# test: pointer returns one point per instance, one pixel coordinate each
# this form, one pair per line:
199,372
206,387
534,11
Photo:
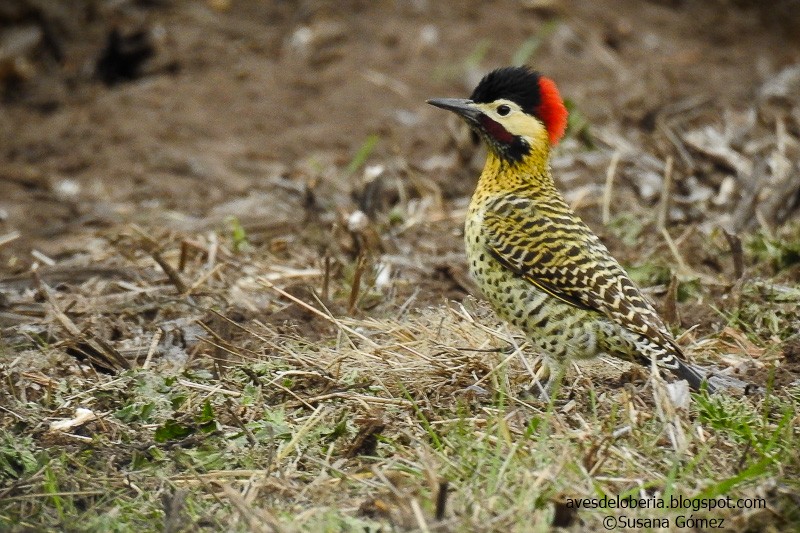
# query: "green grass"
362,154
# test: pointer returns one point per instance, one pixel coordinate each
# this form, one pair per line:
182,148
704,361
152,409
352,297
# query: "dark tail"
693,375
674,361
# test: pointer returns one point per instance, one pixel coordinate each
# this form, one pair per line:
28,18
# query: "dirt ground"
241,96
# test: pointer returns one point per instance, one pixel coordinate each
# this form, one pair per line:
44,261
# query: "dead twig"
441,500
663,208
172,274
670,313
154,249
257,518
737,253
112,359
153,346
674,249
246,430
356,287
326,280
9,238
610,173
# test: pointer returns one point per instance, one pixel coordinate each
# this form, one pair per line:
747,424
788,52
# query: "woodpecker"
536,261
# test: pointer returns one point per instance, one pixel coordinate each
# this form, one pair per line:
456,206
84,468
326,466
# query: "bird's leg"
548,379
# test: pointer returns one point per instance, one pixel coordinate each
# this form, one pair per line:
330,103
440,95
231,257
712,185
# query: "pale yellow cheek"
526,126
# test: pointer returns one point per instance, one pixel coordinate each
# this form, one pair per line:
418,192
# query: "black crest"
518,84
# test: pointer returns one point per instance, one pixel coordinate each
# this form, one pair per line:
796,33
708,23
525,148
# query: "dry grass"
203,415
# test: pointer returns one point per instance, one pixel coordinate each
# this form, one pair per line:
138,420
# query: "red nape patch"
496,130
552,110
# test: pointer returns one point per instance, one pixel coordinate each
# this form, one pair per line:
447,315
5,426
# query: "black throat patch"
517,150
512,148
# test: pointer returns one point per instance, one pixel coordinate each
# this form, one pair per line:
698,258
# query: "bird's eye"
503,110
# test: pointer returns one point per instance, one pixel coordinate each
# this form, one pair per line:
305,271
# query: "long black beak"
460,106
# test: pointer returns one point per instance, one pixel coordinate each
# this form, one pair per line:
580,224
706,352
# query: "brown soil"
233,99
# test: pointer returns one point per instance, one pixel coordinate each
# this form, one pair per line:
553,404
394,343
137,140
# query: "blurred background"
180,115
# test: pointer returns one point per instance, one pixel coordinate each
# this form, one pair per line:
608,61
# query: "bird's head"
515,110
